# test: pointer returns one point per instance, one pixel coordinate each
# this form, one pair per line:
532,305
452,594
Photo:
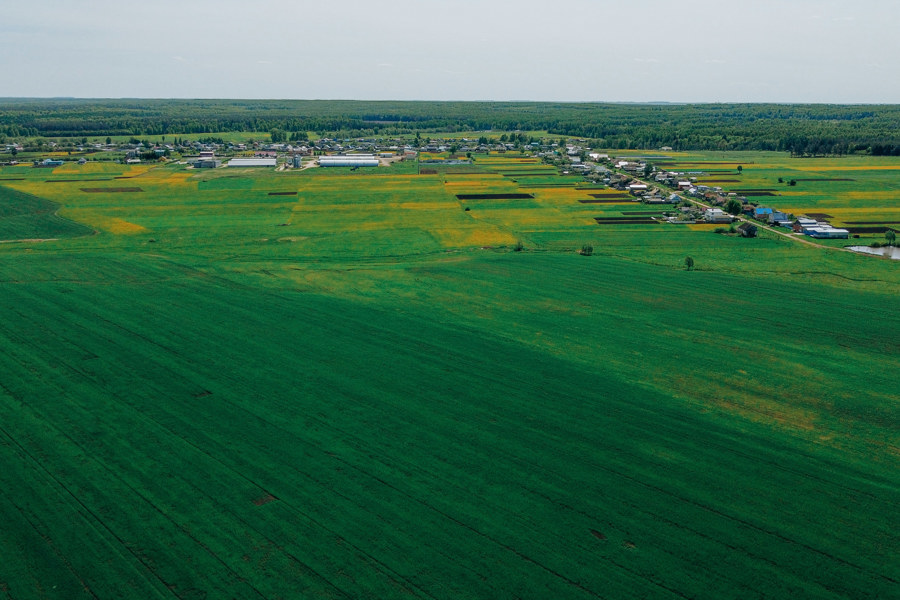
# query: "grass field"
356,388
23,216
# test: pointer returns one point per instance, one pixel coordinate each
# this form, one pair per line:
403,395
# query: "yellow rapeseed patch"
121,227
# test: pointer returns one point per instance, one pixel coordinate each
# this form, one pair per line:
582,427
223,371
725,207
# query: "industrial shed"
252,162
349,160
830,233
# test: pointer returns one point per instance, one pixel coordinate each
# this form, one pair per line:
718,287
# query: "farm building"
762,213
252,162
349,160
802,223
49,162
827,232
206,163
716,215
747,229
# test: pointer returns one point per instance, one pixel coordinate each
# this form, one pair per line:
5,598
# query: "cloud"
647,60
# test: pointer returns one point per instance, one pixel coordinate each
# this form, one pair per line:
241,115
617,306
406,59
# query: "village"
721,207
691,202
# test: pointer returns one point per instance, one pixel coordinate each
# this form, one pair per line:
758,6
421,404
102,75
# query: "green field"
346,385
23,216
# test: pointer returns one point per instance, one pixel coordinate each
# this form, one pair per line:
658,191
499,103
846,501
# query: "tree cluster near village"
802,130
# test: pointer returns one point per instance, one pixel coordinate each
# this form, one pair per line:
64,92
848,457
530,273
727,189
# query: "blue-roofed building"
762,213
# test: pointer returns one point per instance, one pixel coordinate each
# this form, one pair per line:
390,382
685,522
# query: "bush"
587,250
721,230
518,247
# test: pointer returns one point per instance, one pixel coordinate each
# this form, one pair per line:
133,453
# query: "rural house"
747,229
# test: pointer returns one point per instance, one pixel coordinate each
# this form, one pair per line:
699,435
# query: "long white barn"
349,160
252,162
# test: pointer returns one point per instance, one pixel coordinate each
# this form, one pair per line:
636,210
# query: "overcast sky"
836,51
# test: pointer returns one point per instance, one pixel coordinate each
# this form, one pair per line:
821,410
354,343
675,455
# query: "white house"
716,215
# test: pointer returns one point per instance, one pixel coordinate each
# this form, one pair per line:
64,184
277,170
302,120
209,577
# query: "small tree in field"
740,170
587,250
890,236
688,263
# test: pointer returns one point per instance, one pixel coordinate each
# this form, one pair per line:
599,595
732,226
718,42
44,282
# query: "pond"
889,251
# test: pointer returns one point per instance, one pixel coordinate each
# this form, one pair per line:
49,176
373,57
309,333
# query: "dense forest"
800,129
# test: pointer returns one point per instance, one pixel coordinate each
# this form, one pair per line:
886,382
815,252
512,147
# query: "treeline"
800,129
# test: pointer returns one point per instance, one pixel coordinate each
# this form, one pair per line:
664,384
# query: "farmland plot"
352,389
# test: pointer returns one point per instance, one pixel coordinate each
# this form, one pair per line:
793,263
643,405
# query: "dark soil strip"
111,190
752,194
819,216
825,179
623,220
494,196
427,171
263,500
628,222
871,229
610,196
124,177
282,193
